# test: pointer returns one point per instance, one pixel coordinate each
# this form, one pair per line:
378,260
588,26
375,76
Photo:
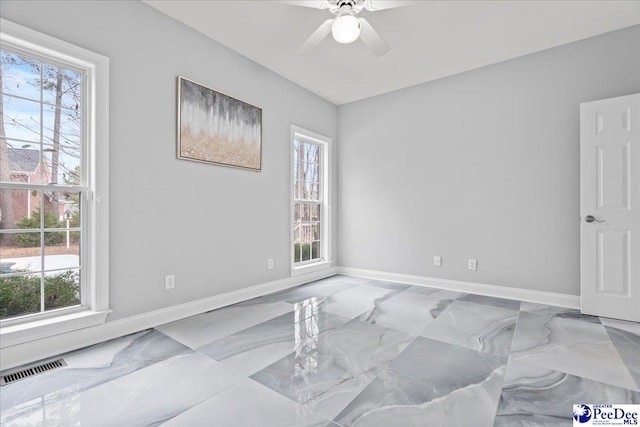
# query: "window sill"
31,331
310,268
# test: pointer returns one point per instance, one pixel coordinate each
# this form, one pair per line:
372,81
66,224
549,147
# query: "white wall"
480,165
213,227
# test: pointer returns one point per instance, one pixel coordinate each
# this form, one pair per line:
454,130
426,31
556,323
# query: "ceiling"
429,39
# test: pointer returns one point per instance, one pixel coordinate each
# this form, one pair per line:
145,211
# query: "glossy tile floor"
344,352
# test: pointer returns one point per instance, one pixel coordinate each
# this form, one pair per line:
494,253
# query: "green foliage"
306,248
62,290
306,251
74,221
33,239
21,294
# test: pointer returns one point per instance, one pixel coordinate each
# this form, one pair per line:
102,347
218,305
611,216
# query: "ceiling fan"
347,27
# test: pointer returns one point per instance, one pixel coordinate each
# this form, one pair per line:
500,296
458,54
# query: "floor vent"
30,372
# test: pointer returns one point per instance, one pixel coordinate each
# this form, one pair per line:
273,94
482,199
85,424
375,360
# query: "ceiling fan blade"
372,39
318,35
373,5
315,4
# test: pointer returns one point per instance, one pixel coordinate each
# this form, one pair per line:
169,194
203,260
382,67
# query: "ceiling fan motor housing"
341,6
349,3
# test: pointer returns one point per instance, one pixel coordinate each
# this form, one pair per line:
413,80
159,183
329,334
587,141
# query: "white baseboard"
549,298
32,351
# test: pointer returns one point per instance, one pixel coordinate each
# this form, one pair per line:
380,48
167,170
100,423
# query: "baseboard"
32,351
549,298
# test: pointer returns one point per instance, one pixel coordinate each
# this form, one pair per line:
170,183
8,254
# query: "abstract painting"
216,128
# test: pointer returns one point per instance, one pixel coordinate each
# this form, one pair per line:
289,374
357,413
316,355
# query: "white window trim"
325,187
96,155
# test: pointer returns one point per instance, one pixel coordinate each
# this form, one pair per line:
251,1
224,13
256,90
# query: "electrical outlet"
473,264
169,282
437,260
270,263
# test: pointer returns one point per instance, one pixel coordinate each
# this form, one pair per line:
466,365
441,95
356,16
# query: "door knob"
591,218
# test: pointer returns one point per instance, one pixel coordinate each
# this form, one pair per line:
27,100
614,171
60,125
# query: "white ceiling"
428,39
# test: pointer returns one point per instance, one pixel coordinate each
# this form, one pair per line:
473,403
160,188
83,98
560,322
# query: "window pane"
315,229
299,228
21,118
19,295
315,250
306,252
29,216
60,206
24,251
310,185
61,289
20,252
306,212
61,253
296,252
24,161
315,152
20,76
68,144
315,191
315,212
13,207
297,212
312,171
310,153
62,85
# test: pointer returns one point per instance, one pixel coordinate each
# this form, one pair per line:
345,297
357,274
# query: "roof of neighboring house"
23,160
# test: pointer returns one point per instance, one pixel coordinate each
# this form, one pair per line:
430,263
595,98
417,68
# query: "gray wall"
480,165
213,227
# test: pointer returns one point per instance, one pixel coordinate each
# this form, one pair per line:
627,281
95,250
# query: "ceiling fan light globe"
345,29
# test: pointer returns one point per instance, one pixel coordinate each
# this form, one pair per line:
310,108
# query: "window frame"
95,169
324,142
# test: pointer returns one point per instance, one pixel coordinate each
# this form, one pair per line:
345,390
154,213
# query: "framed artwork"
216,128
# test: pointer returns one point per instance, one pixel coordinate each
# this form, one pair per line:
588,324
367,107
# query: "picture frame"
216,128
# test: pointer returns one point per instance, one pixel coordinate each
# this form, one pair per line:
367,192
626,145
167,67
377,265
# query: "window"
310,216
53,179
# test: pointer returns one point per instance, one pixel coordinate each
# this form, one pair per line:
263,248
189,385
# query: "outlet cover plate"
169,282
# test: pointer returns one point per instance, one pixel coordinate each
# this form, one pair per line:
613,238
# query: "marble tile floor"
341,352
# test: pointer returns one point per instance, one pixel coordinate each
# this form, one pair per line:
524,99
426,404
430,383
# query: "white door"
610,207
